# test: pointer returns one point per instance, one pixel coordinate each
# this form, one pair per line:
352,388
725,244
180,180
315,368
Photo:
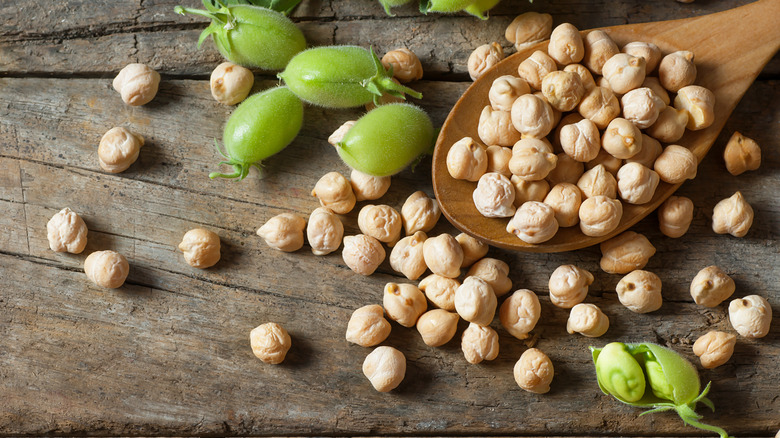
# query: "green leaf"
283,6
425,6
213,27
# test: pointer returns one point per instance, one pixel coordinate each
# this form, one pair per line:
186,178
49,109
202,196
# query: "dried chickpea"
600,215
283,232
677,70
419,213
676,164
200,248
270,342
714,348
498,160
494,196
640,291
585,75
495,272
107,269
529,28
599,48
381,222
675,216
565,200
654,84
534,68
699,102
335,193
406,65
566,46
598,182
641,106
622,139
599,105
368,187
340,132
529,190
532,116
473,249
750,316
557,115
587,320
732,215
118,149
475,301
604,158
741,154
563,90
231,83
363,254
66,232
404,303
367,326
440,290
484,57
479,343
137,83
385,368
651,149
670,125
568,119
636,183
505,90
649,51
443,255
624,72
520,312
625,252
531,160
407,256
712,286
437,327
324,231
567,170
496,128
534,371
581,140
569,285
534,222
467,160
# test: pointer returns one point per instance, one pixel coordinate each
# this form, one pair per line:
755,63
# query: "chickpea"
598,182
479,343
622,139
581,140
494,196
599,48
405,64
651,149
437,327
566,46
496,128
654,84
640,291
443,255
440,290
530,160
473,249
118,149
649,51
498,160
750,316
534,222
741,154
557,115
407,256
636,183
363,254
569,285
699,102
529,28
231,83
475,301
324,231
670,125
484,57
404,303
340,132
335,193
529,190
641,106
385,368
534,68
625,252
677,70
495,272
568,119
587,320
563,90
270,342
200,248
505,90
531,116
368,187
107,269
676,164
565,200
732,215
467,160
419,213
712,286
567,170
585,75
283,232
600,106
67,232
520,312
600,215
715,348
675,216
381,222
534,371
604,158
367,326
624,72
137,83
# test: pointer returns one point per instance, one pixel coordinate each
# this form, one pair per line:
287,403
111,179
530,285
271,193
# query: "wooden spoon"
730,48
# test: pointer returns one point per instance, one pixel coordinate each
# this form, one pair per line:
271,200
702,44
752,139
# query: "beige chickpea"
625,252
586,77
440,290
675,216
107,269
640,291
498,160
496,128
118,149
495,272
532,116
484,57
534,222
137,84
732,215
231,83
381,222
419,213
367,326
651,149
636,183
529,28
649,51
534,68
529,190
437,327
534,371
335,192
604,158
406,65
475,301
624,72
677,70
699,102
714,348
741,154
404,303
494,196
568,119
200,248
565,200
385,368
368,187
599,48
557,115
622,139
600,215
467,160
676,164
340,132
479,343
283,232
531,160
473,249
566,170
599,105
670,125
443,255
566,46
598,182
520,312
712,286
407,256
750,316
270,342
563,90
363,254
569,285
641,106
324,231
654,84
587,320
67,232
505,90
581,140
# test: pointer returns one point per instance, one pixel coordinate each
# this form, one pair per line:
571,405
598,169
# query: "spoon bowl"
730,48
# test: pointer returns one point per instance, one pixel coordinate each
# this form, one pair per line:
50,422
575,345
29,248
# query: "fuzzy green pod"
444,5
479,7
387,4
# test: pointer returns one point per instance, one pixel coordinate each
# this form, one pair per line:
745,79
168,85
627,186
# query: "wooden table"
168,353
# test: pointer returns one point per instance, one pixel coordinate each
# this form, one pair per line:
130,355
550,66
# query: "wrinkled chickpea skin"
733,216
404,303
587,320
200,248
654,84
741,154
407,256
581,140
565,200
677,70
751,316
107,269
598,182
625,252
520,312
368,187
532,117
496,128
651,149
624,72
479,343
534,68
640,291
467,160
406,65
118,149
484,57
636,183
563,90
610,163
569,285
649,51
437,327
529,190
534,222
711,286
335,193
283,232
363,254
324,231
385,368
599,105
676,164
498,160
443,255
599,48
475,301
340,132
641,107
675,216
231,83
566,46
367,326
440,290
534,371
419,213
714,348
529,28
699,102
586,77
670,125
567,170
622,139
137,84
381,222
494,196
270,342
473,249
495,272
505,90
531,160
67,232
600,215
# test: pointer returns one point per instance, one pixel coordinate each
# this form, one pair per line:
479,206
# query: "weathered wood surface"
168,353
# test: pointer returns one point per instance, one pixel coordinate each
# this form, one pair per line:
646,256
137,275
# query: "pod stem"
688,414
383,82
